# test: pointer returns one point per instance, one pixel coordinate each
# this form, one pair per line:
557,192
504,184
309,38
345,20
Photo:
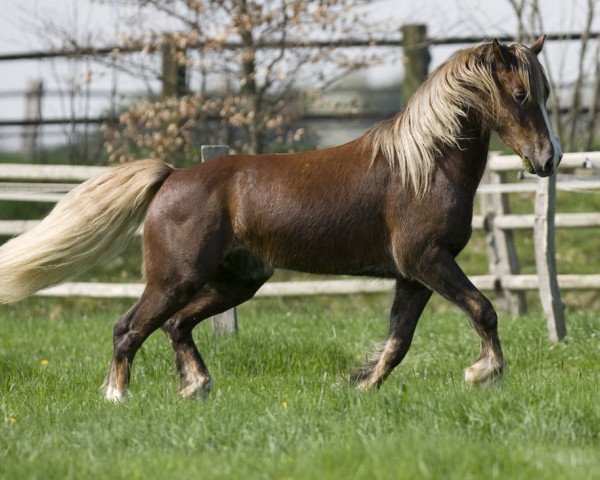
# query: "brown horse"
395,203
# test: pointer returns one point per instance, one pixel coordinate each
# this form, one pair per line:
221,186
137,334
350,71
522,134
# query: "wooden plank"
526,221
36,187
478,222
562,220
565,282
33,113
415,58
273,289
545,259
16,227
502,253
78,173
325,287
70,173
505,163
226,321
531,187
270,289
94,290
31,197
322,287
210,152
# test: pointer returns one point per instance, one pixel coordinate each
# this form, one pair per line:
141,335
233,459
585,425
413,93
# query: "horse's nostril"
549,165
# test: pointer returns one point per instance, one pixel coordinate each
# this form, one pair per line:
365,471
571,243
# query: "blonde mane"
413,139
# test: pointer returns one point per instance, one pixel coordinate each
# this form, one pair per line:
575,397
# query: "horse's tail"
88,226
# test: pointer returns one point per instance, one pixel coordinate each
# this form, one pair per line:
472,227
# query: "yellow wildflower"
44,362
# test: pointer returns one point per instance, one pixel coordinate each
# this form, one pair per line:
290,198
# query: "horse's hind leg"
152,309
230,286
409,302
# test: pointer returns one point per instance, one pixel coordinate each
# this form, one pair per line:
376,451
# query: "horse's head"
521,119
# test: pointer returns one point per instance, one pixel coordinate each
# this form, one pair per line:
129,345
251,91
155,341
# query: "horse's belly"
337,254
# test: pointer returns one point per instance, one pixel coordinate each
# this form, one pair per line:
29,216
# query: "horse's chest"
445,221
453,224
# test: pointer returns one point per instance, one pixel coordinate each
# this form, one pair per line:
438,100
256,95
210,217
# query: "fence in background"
48,183
413,39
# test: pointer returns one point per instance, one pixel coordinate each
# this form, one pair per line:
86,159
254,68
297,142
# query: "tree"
254,49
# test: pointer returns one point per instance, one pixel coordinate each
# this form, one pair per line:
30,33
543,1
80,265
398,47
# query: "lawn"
277,409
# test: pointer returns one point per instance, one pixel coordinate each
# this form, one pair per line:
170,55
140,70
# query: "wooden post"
415,58
545,259
174,72
226,321
502,254
33,111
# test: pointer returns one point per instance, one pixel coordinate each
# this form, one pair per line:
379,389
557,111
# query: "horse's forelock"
531,74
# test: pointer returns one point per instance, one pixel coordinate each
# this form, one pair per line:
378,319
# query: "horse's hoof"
483,373
363,386
197,390
115,396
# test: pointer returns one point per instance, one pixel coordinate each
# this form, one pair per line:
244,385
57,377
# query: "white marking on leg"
114,395
555,145
382,367
484,370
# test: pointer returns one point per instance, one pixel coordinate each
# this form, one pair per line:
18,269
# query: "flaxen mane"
432,119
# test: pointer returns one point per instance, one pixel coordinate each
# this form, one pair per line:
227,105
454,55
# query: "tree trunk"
251,99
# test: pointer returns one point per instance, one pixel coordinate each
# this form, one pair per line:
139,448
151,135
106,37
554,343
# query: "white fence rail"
320,287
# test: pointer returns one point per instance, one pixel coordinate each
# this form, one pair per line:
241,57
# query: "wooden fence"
48,183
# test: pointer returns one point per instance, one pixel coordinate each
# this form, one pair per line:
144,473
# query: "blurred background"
104,81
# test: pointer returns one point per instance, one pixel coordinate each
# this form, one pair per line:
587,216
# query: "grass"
274,412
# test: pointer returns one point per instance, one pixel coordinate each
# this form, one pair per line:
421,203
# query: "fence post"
33,111
174,72
415,58
545,259
502,254
226,321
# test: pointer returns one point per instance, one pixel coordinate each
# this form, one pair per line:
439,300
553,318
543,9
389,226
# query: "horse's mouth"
527,165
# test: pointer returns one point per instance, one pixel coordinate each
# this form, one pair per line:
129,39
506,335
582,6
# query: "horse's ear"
501,52
538,45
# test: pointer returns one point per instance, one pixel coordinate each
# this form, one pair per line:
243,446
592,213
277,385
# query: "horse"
395,203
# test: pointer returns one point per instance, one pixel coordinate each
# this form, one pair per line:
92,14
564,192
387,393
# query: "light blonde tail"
88,226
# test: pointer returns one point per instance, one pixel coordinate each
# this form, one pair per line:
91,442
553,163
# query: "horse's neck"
465,163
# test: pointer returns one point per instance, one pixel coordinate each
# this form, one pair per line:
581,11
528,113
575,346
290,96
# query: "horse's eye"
520,97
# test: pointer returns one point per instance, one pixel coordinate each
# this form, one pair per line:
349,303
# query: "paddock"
278,408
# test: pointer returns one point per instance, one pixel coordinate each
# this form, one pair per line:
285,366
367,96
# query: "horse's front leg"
441,273
409,302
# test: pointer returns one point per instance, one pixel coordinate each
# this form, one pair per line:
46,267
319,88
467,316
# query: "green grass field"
275,411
